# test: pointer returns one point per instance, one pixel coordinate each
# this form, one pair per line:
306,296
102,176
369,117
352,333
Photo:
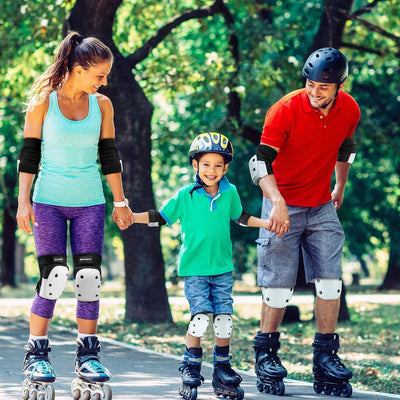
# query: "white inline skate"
91,374
38,371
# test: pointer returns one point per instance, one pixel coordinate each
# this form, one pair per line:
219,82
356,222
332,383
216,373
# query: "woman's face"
94,77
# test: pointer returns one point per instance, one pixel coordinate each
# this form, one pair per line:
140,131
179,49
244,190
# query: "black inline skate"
38,371
190,369
225,380
330,374
91,374
269,370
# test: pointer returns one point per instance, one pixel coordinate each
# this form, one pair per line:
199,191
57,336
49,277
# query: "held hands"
123,217
279,221
25,215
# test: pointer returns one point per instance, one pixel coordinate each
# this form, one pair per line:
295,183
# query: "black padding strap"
347,150
29,156
86,260
243,219
47,262
109,157
267,154
156,219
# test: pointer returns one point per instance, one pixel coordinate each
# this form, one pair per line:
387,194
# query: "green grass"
370,342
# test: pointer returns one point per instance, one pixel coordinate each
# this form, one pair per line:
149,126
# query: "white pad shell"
198,325
88,284
52,287
258,169
277,297
328,289
223,326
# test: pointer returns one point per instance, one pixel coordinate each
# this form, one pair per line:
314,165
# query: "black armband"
29,156
109,157
156,219
347,151
243,219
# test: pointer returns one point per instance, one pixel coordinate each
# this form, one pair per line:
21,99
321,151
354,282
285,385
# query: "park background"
182,68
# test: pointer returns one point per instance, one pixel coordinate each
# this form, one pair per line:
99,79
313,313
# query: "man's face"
321,95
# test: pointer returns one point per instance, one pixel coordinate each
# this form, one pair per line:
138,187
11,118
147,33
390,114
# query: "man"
307,135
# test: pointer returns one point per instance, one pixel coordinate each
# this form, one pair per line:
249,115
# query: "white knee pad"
328,289
223,326
52,286
53,276
198,325
277,297
88,284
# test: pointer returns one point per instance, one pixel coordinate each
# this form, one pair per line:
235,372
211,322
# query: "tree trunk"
332,24
146,296
392,277
7,265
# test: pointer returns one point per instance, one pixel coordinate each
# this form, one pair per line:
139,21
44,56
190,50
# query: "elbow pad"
156,219
260,164
109,157
29,156
243,219
347,151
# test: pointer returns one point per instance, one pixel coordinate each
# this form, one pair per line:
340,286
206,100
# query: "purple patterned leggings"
86,235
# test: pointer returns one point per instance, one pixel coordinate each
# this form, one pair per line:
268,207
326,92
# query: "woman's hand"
25,215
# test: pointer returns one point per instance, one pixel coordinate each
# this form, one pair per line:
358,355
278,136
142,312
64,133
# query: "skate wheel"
347,390
259,386
240,393
107,392
280,388
25,394
266,388
318,387
85,395
327,389
337,391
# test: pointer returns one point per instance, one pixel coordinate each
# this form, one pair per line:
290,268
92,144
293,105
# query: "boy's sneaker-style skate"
225,380
190,369
330,374
91,374
269,369
38,371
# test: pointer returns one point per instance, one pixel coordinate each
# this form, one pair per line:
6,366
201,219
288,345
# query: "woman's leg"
87,236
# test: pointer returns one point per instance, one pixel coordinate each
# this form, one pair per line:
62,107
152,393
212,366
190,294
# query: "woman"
67,125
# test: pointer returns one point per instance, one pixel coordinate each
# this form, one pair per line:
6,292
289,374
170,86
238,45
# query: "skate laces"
93,366
42,367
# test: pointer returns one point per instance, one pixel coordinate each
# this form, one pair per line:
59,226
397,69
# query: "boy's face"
211,168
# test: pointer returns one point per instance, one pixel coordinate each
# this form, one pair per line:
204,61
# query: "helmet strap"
198,185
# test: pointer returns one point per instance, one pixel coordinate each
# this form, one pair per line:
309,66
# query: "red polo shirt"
308,143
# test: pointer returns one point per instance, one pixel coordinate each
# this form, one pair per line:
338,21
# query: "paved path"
139,374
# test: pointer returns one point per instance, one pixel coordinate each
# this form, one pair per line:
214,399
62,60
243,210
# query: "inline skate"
225,380
38,371
91,374
190,369
330,374
269,370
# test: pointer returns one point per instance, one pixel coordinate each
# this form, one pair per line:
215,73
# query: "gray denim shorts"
316,231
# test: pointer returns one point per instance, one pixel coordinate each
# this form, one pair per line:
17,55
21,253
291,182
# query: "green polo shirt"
205,228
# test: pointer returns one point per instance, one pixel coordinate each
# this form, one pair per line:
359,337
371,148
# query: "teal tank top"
69,174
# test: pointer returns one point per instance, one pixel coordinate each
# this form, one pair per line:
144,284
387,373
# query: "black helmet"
211,142
326,65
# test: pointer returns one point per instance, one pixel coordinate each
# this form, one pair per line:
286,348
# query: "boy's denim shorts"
210,294
316,231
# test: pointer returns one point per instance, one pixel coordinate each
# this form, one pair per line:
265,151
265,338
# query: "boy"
204,211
